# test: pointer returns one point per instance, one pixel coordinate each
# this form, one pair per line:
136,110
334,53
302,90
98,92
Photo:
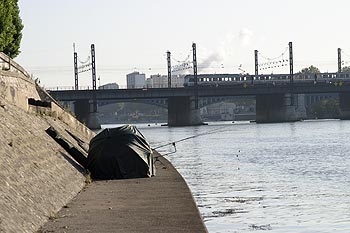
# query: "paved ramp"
162,203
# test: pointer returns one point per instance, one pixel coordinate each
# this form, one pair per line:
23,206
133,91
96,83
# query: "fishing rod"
187,138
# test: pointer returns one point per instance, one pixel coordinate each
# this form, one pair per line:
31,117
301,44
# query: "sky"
134,35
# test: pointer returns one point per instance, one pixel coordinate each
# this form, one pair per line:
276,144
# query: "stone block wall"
17,88
37,176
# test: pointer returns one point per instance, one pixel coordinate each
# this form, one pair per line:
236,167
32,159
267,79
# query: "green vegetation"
327,108
10,28
131,112
310,70
346,69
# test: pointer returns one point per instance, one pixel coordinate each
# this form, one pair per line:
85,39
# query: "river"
288,177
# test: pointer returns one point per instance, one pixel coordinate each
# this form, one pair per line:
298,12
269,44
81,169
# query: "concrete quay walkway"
162,203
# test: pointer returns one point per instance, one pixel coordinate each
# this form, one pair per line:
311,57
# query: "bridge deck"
204,91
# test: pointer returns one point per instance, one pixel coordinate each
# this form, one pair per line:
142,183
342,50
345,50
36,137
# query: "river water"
247,177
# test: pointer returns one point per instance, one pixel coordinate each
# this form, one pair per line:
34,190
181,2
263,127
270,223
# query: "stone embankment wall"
37,176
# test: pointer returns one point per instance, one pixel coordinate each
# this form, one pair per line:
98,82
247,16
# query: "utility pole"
169,68
195,75
339,60
291,72
93,69
256,66
76,85
256,62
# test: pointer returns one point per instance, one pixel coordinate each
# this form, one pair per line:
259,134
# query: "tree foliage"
310,70
327,108
346,69
10,28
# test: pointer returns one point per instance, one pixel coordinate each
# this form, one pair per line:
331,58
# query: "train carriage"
216,80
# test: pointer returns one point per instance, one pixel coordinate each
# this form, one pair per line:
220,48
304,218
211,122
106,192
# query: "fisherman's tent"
120,153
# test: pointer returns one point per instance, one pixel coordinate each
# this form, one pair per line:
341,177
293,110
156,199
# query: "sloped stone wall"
37,176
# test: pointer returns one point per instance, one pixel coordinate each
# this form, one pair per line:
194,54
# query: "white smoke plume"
226,52
212,60
245,37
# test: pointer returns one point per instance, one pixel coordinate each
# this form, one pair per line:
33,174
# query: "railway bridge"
275,101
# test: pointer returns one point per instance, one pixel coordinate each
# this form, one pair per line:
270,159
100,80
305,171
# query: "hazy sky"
134,35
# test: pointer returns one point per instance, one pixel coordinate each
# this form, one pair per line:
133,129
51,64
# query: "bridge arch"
132,111
162,103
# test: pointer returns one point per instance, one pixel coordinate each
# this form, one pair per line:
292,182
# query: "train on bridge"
273,79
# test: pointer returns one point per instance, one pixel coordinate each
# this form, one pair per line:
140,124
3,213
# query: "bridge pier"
273,108
181,112
344,105
300,108
83,112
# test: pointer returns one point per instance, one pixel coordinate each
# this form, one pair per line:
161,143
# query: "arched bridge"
163,103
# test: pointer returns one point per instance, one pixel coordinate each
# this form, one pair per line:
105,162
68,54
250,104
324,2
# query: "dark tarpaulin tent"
120,153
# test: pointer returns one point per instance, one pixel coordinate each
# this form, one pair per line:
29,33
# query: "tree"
10,28
327,108
346,69
310,70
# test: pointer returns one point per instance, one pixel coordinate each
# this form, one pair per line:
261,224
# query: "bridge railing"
238,79
69,88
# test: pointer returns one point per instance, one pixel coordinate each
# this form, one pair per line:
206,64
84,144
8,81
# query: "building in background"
135,80
161,81
109,86
157,81
177,80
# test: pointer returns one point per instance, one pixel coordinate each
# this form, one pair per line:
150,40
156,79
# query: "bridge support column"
275,108
344,105
182,112
300,108
84,113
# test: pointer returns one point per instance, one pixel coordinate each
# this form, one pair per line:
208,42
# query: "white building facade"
135,80
161,81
